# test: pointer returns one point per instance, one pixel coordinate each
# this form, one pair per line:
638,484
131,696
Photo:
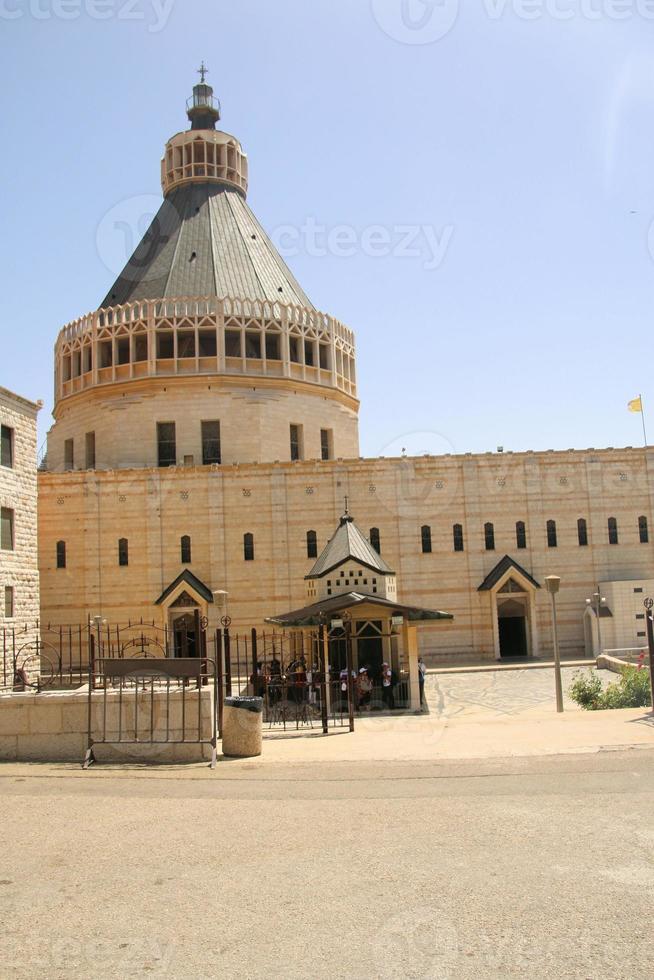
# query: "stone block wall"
279,503
18,493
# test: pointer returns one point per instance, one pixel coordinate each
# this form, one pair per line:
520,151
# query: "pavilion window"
89,446
122,350
253,345
324,357
457,535
69,454
9,602
208,343
7,530
521,535
166,444
123,552
552,535
61,554
87,359
233,343
489,537
165,346
186,550
309,353
77,364
248,547
106,353
582,532
211,451
312,544
7,437
186,344
643,530
140,348
67,367
375,539
426,540
613,531
273,347
294,349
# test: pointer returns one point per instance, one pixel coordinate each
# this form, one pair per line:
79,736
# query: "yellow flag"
636,405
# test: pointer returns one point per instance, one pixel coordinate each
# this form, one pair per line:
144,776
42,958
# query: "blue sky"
517,147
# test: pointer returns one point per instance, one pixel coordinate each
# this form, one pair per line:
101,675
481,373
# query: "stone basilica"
206,437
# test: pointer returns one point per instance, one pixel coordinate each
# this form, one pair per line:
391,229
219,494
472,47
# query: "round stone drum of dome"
242,727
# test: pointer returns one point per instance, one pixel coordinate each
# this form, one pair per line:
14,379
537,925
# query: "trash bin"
242,727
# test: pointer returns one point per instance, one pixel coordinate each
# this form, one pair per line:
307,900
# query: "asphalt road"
505,868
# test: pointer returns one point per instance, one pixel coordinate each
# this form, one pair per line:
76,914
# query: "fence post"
219,679
228,663
322,644
350,668
255,661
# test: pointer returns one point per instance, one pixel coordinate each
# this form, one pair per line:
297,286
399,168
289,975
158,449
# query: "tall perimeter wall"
279,503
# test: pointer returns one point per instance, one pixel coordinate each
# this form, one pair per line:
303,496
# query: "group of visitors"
363,686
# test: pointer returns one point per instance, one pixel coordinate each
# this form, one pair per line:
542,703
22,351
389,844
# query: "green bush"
633,690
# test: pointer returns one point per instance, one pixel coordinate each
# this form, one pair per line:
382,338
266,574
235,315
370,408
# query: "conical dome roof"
206,241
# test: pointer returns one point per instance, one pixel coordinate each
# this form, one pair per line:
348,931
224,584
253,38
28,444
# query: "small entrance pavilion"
354,598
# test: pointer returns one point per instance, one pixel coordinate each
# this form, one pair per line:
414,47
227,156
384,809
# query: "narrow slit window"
521,535
69,454
582,532
166,444
186,550
248,547
613,531
61,554
326,444
90,450
643,530
489,537
426,540
457,535
123,552
9,602
211,449
312,544
552,535
296,443
375,539
7,529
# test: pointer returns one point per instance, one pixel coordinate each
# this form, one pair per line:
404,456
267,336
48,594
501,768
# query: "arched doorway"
512,621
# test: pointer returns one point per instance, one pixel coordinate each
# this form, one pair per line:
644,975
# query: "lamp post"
596,603
553,583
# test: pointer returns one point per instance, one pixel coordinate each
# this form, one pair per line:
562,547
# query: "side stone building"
19,576
206,437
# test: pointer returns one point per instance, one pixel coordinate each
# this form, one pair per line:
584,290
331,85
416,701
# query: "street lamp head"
553,583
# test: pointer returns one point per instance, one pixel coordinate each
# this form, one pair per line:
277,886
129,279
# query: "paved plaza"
536,868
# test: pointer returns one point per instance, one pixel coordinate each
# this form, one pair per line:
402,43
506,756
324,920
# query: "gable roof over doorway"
507,564
348,544
194,583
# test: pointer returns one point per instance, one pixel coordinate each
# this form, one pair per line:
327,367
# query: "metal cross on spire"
347,506
203,71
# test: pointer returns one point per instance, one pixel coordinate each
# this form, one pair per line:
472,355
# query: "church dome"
205,322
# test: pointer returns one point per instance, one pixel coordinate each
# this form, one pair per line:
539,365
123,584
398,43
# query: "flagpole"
642,412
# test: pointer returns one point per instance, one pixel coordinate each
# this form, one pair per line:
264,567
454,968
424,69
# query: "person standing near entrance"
422,673
388,696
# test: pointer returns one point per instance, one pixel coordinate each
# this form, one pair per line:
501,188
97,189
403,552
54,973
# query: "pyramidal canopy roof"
206,241
349,543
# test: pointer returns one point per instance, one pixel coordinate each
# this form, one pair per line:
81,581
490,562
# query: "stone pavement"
536,868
